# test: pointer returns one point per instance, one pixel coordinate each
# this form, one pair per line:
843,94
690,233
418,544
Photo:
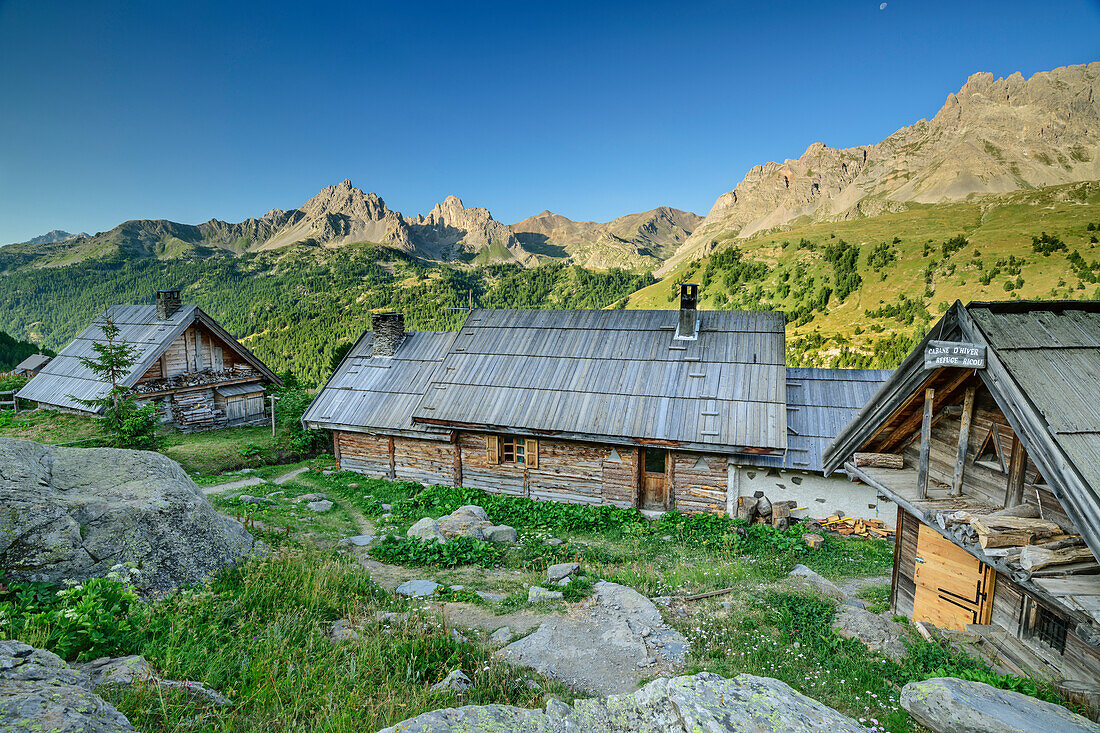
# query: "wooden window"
989,454
1045,626
512,450
654,460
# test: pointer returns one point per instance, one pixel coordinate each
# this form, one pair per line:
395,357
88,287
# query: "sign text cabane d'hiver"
938,354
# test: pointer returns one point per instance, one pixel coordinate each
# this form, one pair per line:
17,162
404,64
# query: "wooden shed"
999,485
199,376
647,409
32,365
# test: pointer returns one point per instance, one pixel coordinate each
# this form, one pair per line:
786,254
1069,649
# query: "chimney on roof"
168,302
389,332
689,317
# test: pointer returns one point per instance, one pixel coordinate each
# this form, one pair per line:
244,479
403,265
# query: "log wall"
477,472
427,462
620,476
365,454
194,350
699,482
905,586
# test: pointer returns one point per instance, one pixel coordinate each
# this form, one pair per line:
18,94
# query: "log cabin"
31,366
199,376
998,490
656,410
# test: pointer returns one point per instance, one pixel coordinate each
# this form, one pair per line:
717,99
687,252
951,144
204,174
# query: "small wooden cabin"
999,485
200,377
651,409
32,365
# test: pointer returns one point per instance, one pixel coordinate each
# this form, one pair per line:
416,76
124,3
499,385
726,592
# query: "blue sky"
192,110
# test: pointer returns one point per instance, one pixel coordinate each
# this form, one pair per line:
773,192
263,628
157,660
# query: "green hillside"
13,351
861,292
294,306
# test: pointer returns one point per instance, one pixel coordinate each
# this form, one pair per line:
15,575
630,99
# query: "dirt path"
852,586
254,481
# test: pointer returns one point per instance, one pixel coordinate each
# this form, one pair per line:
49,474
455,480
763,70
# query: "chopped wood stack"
856,526
761,510
993,531
194,379
193,411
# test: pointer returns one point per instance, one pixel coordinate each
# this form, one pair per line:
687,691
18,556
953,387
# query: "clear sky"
191,110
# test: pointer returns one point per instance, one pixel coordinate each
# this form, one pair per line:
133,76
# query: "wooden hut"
200,377
32,365
988,439
650,409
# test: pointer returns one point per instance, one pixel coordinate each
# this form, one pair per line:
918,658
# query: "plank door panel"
953,588
653,491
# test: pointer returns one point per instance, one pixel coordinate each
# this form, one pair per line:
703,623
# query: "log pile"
193,411
855,526
195,379
761,510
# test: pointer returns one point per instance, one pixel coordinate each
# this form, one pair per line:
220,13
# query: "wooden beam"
964,440
925,443
457,468
1014,496
904,430
393,463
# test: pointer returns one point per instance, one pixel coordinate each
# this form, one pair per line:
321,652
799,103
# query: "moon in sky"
882,7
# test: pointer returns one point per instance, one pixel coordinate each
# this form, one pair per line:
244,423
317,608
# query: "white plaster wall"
819,495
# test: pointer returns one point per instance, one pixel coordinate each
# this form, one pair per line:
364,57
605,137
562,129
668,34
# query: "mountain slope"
54,235
993,136
631,241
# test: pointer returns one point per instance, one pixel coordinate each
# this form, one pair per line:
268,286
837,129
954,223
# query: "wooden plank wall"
905,586
426,462
620,477
180,357
698,488
979,481
365,454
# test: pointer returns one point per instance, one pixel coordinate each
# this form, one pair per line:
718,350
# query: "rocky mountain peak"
992,136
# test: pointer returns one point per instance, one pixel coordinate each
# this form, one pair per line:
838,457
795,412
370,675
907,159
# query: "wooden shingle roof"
618,377
378,394
64,381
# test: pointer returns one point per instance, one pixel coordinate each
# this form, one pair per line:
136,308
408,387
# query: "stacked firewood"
857,526
760,510
195,379
192,410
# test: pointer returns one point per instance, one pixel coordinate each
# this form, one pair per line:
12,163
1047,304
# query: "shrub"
454,552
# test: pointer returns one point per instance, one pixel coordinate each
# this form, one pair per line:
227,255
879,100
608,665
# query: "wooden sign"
954,354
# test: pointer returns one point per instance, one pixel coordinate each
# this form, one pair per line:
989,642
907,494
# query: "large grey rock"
39,692
538,594
561,570
605,647
501,533
361,540
134,670
472,509
456,681
463,522
426,529
321,506
73,513
878,633
417,588
701,702
804,578
949,705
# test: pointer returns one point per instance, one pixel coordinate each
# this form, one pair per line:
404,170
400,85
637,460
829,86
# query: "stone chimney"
168,302
389,332
689,317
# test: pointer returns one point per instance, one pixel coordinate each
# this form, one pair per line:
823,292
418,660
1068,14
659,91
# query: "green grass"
49,426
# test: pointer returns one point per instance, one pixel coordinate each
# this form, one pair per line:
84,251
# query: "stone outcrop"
701,702
450,229
604,647
39,692
73,513
949,705
879,633
466,521
992,136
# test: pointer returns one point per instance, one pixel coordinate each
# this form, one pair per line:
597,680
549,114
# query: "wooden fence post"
925,444
964,440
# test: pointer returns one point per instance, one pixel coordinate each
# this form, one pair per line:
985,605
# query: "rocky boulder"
701,702
880,634
73,513
39,692
949,705
426,529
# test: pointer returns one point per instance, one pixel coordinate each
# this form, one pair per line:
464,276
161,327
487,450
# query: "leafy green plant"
417,552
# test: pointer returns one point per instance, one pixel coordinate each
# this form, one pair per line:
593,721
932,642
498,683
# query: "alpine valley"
997,195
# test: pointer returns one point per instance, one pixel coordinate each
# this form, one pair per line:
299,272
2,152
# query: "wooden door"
255,405
953,588
234,408
654,491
